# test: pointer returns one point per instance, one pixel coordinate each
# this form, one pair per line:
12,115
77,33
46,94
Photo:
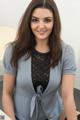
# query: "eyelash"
46,20
34,20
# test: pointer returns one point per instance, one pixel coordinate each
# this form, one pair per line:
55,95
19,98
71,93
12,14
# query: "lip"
41,33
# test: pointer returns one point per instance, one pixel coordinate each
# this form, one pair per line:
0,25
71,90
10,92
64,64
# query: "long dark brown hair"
25,41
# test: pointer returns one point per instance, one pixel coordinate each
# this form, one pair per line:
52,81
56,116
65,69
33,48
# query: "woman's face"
42,23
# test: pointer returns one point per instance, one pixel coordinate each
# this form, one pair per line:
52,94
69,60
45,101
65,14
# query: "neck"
42,45
42,48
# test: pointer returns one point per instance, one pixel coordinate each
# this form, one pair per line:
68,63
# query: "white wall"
12,10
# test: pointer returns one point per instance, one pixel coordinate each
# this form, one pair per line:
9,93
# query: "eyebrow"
44,18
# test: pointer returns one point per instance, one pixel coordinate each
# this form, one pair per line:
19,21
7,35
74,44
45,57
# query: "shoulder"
8,53
66,48
9,47
65,45
68,59
8,68
8,50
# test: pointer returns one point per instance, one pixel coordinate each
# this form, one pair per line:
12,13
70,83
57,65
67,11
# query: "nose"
41,24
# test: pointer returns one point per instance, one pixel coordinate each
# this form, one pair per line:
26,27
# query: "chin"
42,38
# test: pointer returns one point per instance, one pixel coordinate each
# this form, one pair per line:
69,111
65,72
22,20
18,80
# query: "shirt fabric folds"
25,99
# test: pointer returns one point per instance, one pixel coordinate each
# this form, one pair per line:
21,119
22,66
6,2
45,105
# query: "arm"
68,97
7,100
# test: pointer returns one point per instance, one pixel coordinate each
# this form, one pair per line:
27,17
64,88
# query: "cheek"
50,27
33,27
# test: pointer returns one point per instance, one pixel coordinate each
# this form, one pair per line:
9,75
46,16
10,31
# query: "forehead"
42,13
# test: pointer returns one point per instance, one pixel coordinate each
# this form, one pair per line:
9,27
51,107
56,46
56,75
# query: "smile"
42,32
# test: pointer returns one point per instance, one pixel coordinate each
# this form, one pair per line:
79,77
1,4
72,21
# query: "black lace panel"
40,69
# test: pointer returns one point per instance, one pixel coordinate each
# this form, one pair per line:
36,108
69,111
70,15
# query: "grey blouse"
25,99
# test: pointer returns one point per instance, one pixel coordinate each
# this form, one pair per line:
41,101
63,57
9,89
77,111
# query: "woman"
37,64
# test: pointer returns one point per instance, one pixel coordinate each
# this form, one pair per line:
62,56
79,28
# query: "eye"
47,20
34,20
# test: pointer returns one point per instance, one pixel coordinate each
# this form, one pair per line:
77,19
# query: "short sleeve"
69,63
8,69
